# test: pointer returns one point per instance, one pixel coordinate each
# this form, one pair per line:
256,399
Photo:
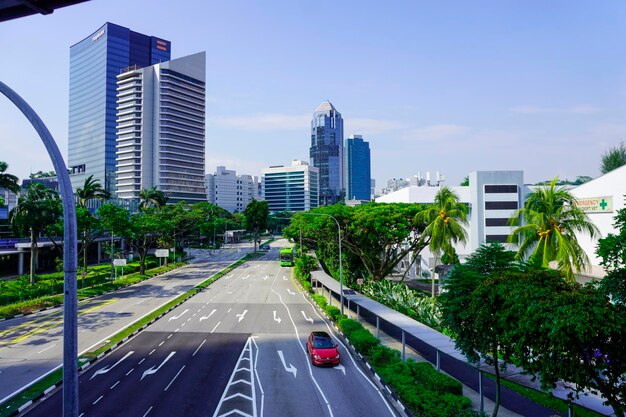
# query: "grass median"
11,406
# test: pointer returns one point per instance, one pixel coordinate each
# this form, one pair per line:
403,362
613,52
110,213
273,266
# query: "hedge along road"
236,348
31,346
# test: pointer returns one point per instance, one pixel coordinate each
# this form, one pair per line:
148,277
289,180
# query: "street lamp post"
340,259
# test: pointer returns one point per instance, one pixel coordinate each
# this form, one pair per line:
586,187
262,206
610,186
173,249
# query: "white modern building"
230,191
600,198
161,129
292,188
492,197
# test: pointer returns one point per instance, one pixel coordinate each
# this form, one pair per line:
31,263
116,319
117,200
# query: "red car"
322,348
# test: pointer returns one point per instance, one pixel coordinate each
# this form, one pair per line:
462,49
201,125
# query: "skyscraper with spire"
326,152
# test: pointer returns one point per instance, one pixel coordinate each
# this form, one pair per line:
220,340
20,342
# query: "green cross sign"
603,204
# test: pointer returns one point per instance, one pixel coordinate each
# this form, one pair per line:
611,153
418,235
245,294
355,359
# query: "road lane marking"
161,343
246,355
49,347
290,292
140,362
229,310
169,336
154,370
341,368
256,374
114,385
151,352
108,368
194,354
130,372
218,323
175,376
99,398
149,409
241,316
309,319
179,316
210,314
276,318
291,368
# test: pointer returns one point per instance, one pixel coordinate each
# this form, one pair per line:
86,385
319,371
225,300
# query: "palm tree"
37,209
91,190
7,181
151,197
550,220
445,219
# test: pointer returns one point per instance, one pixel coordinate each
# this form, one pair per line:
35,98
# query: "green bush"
381,355
333,312
425,374
363,341
348,326
320,300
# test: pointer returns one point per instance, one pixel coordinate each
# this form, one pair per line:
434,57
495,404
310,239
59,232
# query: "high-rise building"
160,129
294,188
326,152
230,191
95,63
358,169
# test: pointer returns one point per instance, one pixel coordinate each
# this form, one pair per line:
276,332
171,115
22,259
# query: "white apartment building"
293,188
230,191
161,129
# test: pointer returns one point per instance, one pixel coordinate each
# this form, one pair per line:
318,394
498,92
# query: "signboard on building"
162,253
596,204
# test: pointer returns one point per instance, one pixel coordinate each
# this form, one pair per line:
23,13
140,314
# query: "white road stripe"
218,323
194,354
149,409
175,376
114,385
49,347
95,402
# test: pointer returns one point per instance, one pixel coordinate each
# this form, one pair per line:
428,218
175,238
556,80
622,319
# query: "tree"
465,181
38,208
8,181
144,229
87,223
379,235
550,220
612,250
445,218
115,220
152,197
473,323
42,174
614,158
256,215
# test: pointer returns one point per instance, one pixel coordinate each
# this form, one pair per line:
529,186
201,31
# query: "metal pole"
70,304
358,312
340,267
480,391
377,327
403,346
438,363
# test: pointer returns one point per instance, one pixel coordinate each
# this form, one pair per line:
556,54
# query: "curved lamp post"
340,260
70,304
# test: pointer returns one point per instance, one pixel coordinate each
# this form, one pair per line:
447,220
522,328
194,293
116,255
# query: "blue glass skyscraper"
358,168
95,63
326,152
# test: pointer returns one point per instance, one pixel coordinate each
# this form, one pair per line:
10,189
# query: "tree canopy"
256,215
613,158
612,250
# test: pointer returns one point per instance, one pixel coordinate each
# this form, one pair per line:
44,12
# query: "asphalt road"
237,348
31,346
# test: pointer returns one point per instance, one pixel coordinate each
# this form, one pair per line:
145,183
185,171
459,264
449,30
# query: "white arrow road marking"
291,368
265,278
241,316
108,368
276,319
284,278
210,314
179,316
305,317
153,370
290,292
341,368
246,277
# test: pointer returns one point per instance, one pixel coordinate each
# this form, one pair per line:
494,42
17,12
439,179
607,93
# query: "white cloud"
435,132
581,109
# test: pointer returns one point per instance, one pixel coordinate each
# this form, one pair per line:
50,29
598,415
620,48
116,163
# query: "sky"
448,86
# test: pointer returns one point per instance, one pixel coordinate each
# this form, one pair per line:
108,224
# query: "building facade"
327,152
161,129
293,188
95,63
230,191
358,169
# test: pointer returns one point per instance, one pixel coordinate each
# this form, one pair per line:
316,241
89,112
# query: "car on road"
322,349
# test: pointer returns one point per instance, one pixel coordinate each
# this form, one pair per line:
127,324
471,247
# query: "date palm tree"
445,219
547,227
37,209
7,181
152,197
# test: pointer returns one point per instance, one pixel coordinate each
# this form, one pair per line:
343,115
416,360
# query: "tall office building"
358,169
230,191
95,63
160,129
326,152
293,188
